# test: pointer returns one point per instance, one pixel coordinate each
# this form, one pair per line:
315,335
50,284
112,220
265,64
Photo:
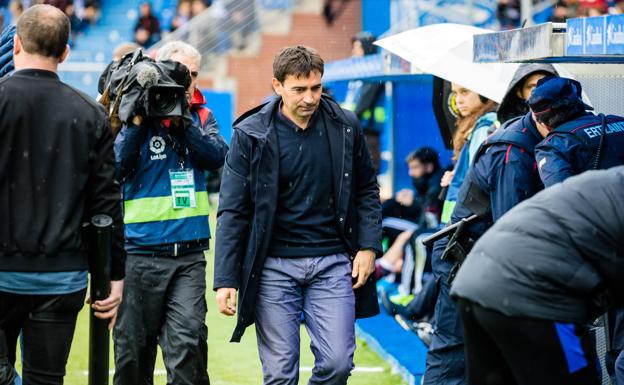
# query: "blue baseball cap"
553,92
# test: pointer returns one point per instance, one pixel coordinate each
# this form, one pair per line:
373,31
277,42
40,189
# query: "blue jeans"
320,288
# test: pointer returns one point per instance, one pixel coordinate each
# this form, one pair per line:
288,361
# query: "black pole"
99,266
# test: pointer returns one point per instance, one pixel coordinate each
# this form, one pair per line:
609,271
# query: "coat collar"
257,122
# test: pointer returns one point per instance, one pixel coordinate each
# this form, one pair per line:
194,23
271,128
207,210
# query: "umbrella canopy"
445,50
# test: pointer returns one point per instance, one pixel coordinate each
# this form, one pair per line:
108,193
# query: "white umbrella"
445,50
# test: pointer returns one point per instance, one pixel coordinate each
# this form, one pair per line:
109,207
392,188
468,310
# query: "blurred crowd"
82,13
509,15
148,29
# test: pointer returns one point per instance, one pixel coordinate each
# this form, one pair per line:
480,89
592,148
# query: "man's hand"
226,301
405,197
107,308
137,120
363,267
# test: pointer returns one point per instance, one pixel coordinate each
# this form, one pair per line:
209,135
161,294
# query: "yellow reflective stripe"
366,114
380,114
155,209
447,210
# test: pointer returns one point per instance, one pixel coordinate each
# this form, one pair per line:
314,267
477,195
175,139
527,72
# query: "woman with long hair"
476,119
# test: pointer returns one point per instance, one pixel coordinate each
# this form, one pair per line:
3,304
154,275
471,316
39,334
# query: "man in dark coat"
367,99
299,225
577,141
551,265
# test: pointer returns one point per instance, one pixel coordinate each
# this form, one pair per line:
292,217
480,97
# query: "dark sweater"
305,224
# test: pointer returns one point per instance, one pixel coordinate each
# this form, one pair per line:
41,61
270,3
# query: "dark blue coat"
505,166
504,170
249,193
571,148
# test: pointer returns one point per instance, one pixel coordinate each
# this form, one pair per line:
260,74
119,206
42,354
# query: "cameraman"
166,238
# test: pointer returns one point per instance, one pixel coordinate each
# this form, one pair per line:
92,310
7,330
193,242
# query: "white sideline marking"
361,369
157,372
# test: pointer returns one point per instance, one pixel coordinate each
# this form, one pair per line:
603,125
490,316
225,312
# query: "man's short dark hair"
424,155
563,113
298,61
43,30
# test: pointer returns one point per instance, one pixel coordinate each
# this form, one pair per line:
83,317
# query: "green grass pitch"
229,363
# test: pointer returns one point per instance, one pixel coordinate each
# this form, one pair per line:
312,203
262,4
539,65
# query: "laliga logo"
157,146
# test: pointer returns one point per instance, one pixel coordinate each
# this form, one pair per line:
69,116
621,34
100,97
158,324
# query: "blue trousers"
320,288
619,369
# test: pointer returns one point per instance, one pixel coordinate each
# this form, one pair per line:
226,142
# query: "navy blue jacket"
571,148
505,166
144,156
504,169
249,193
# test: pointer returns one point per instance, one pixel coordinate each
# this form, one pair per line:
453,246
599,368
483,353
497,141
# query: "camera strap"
180,149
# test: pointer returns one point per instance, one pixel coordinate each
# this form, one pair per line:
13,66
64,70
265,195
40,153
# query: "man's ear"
277,86
65,54
17,45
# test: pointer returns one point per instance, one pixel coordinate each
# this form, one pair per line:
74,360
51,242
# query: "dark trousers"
445,358
525,351
164,304
47,324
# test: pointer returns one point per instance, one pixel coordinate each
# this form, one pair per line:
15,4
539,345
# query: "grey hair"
178,47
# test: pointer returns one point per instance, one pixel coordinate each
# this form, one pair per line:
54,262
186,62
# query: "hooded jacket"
248,202
513,106
558,256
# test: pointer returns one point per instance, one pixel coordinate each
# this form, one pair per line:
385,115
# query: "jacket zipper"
344,141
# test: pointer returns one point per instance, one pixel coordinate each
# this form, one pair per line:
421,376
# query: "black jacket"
248,202
557,256
56,170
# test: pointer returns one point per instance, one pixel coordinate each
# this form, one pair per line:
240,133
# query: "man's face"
300,96
193,67
542,128
416,169
145,9
529,85
357,50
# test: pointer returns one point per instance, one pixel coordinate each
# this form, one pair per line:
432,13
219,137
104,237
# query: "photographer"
161,162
